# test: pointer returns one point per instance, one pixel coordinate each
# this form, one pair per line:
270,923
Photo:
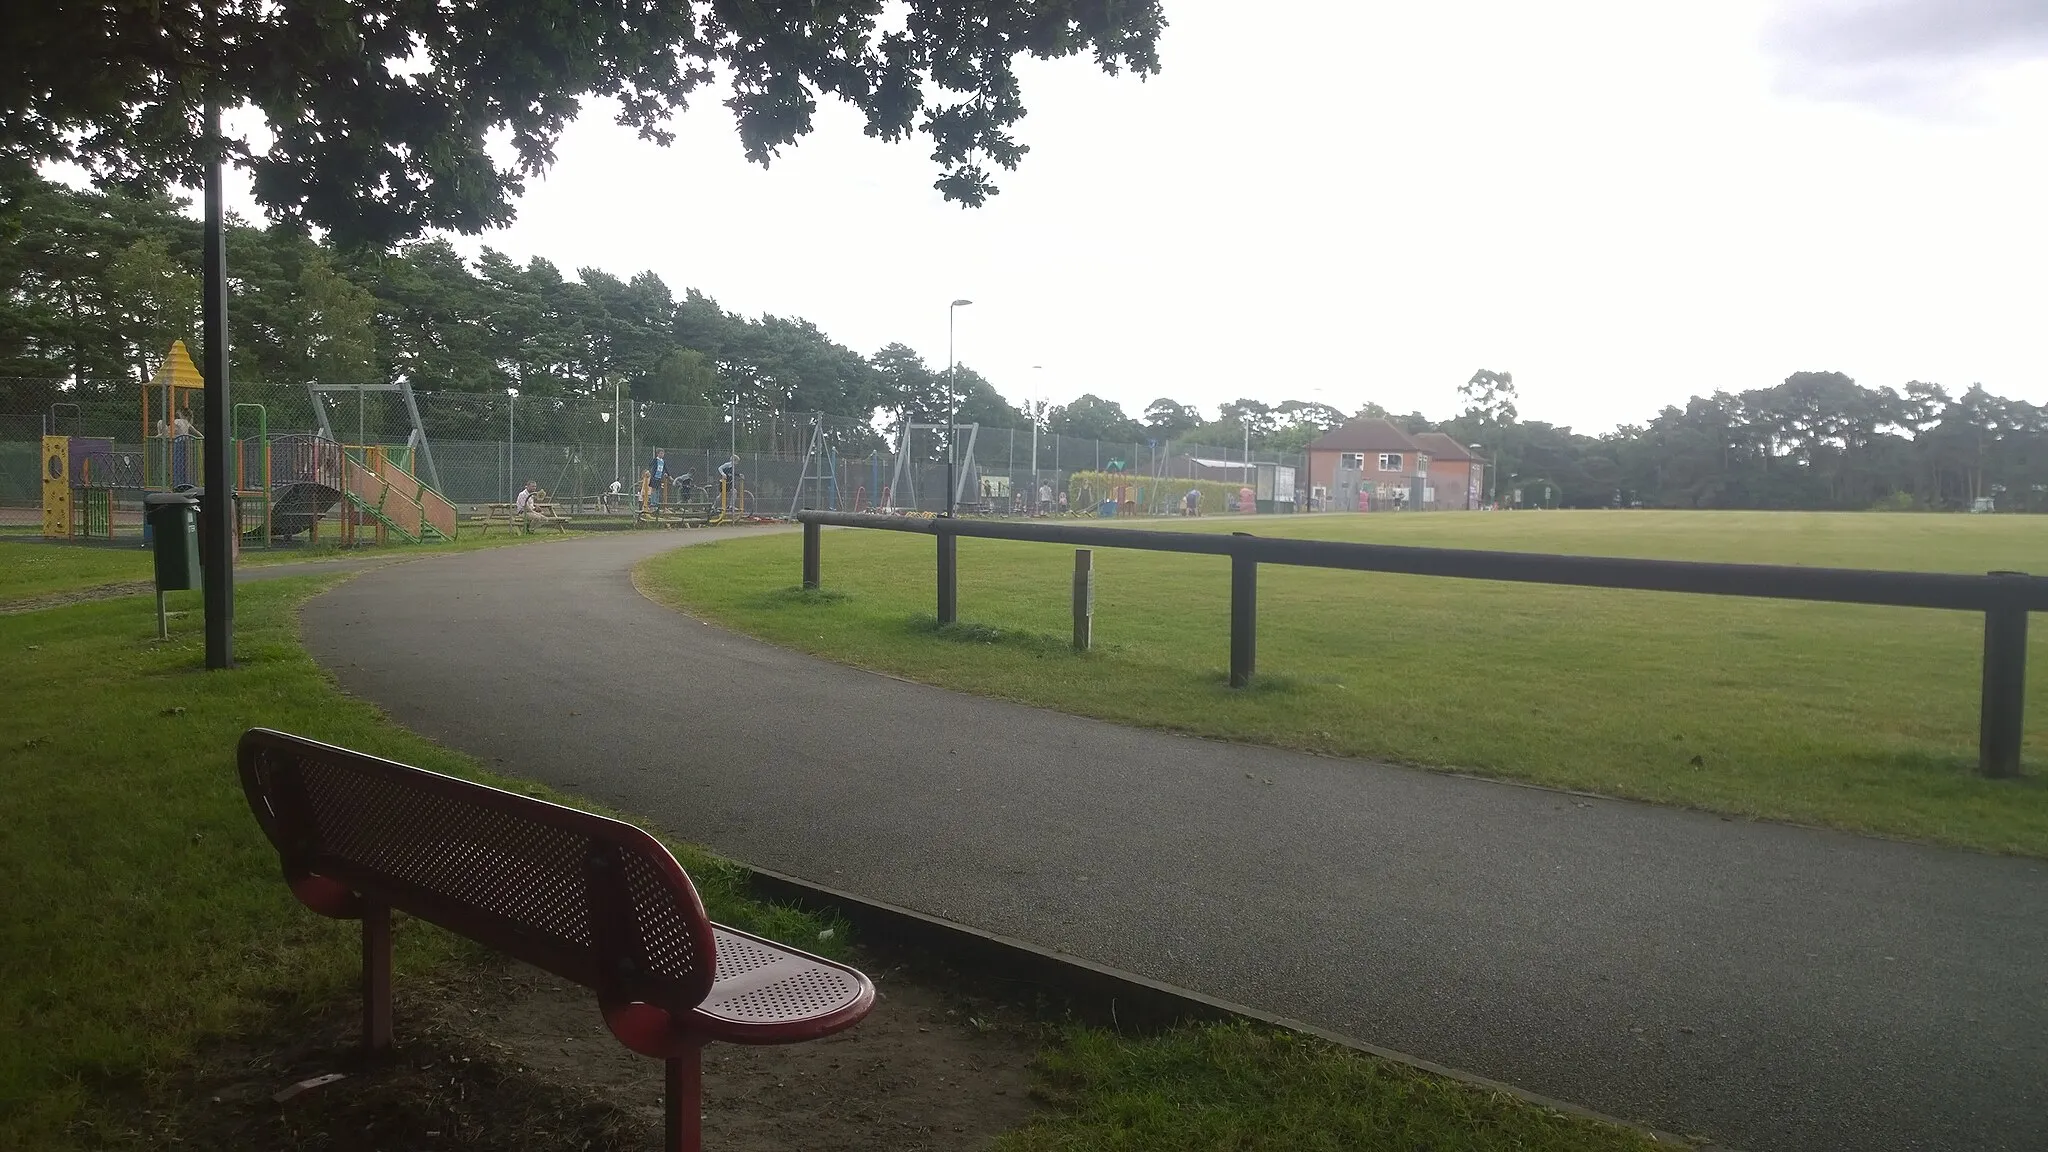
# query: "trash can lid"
154,498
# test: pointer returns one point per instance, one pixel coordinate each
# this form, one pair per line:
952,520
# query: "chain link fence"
482,447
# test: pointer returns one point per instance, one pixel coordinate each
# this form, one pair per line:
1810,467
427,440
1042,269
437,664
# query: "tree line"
1816,440
94,285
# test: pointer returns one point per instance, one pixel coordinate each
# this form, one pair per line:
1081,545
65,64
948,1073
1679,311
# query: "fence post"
1244,617
1084,599
949,578
2002,719
812,545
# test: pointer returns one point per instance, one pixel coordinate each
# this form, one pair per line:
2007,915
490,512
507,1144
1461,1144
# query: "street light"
1492,476
952,401
1037,414
511,465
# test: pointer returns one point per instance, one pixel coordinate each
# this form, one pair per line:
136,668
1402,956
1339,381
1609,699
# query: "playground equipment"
964,463
78,488
258,497
820,471
283,485
172,449
416,446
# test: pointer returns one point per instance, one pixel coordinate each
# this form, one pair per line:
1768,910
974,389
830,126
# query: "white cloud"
1908,56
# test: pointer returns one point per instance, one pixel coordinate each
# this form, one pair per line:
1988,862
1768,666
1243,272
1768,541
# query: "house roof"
1442,447
1365,434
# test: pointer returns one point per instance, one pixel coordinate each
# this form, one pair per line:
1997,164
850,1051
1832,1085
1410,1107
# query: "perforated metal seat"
591,899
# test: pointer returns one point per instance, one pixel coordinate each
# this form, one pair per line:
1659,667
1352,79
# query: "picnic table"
544,515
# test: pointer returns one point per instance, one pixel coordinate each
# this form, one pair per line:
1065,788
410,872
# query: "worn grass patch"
143,909
1846,715
1251,1089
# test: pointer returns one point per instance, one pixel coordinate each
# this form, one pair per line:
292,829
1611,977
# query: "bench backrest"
591,899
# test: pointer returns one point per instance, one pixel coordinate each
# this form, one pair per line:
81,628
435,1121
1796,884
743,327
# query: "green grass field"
1857,717
144,914
143,909
31,568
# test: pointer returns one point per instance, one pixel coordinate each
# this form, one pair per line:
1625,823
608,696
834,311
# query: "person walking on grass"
1193,502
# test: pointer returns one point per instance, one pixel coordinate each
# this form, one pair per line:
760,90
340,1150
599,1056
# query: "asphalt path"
1766,986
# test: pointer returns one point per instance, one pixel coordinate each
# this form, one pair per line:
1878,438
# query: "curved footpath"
1767,986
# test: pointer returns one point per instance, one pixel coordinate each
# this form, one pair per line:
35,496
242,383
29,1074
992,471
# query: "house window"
1390,461
1352,460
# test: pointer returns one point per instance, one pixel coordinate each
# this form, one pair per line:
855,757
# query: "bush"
1155,495
1898,502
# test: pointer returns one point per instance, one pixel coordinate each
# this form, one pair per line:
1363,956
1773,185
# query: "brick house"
1457,478
1367,457
1392,469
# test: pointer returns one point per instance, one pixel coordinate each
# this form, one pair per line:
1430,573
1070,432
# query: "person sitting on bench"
524,513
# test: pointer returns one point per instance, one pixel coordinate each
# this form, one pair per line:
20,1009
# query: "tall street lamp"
511,461
1037,414
1492,476
952,401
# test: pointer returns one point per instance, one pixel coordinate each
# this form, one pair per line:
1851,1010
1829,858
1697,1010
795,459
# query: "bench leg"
376,976
684,1126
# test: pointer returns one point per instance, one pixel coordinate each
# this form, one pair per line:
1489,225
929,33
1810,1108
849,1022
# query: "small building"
1457,478
1369,458
1184,467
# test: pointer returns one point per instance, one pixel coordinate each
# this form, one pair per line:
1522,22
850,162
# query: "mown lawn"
1858,717
143,909
144,913
1250,1089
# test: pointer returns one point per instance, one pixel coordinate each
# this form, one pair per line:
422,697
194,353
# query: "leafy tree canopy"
1090,417
380,109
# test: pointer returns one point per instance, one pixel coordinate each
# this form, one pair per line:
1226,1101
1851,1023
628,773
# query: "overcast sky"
1622,203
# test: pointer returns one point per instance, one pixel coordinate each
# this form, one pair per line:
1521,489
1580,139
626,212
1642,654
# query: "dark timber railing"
2005,598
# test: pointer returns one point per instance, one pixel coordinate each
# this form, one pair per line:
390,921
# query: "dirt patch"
506,1057
76,596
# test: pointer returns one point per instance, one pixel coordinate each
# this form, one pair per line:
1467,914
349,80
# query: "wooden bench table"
590,899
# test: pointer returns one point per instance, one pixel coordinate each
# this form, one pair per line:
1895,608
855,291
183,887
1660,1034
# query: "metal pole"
376,976
1037,414
615,429
813,545
2002,720
1244,617
511,443
952,411
949,578
219,508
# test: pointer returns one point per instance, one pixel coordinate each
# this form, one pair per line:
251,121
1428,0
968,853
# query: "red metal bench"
590,899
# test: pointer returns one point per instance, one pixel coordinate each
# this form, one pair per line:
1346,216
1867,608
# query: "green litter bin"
174,528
